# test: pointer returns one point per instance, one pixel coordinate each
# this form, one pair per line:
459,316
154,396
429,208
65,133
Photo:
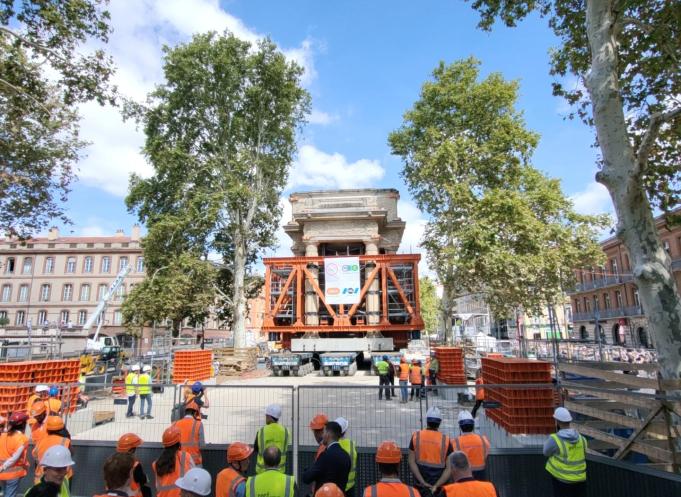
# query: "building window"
140,264
583,334
87,264
6,293
23,293
627,266
3,315
84,293
613,266
44,293
118,317
587,305
618,299
578,307
101,291
82,317
67,292
122,263
9,265
28,265
42,317
593,274
106,264
637,302
64,317
20,318
596,306
606,301
70,264
49,265
120,292
667,248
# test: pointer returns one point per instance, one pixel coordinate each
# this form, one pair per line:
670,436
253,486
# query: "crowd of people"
440,465
414,375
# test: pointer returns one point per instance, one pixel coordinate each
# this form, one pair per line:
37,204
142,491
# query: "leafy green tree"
43,76
220,134
429,304
497,225
627,55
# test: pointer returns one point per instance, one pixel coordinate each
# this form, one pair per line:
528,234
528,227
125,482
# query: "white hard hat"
273,411
343,423
196,481
433,413
42,388
563,415
135,367
57,456
146,368
465,416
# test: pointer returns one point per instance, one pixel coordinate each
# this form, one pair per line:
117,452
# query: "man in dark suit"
333,465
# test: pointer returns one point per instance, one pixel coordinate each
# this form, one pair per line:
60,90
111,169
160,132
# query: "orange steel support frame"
340,314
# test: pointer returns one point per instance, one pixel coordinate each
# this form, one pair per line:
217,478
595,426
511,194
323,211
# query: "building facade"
606,298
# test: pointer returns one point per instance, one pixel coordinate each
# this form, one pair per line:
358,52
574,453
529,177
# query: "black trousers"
562,489
477,405
384,380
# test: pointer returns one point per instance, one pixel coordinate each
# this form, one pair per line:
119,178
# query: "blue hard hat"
385,357
197,387
54,391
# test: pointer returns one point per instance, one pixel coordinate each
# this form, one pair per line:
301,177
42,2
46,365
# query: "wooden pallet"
618,400
235,361
101,417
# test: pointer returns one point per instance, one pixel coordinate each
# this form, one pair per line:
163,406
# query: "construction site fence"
581,350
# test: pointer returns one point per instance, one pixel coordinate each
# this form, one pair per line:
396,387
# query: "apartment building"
606,298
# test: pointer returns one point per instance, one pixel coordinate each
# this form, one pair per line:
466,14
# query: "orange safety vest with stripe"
227,482
9,444
476,448
430,448
41,448
32,400
38,432
415,377
471,488
479,391
165,485
191,429
404,371
391,488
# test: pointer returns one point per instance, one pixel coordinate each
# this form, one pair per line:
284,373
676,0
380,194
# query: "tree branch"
24,92
648,29
33,44
656,120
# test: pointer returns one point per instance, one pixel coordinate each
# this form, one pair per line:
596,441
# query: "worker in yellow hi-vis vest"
566,452
272,434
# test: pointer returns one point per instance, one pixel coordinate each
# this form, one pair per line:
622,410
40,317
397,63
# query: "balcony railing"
604,314
603,282
676,264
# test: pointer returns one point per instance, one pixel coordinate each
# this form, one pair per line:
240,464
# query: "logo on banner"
342,280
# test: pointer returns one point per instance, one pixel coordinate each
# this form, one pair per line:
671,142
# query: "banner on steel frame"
341,275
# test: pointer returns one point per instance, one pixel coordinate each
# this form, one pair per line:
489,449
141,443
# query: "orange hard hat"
38,408
329,490
127,442
238,451
388,452
319,422
171,436
54,423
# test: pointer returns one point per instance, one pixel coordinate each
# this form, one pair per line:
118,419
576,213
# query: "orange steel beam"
315,287
301,295
403,296
269,319
345,328
384,295
417,291
287,261
273,312
365,289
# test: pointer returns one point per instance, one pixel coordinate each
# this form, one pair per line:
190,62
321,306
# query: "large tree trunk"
239,294
621,174
446,306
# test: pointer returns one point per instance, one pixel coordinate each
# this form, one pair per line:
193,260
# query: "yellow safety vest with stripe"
349,446
569,465
269,435
144,383
63,490
270,483
130,385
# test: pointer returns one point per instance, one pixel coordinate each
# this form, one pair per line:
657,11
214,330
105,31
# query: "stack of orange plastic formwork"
452,370
192,365
523,410
14,397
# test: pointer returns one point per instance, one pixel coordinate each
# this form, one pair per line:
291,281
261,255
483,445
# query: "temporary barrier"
192,365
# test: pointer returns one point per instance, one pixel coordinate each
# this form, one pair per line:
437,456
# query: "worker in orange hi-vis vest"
475,446
40,394
128,444
416,379
428,451
388,457
56,435
479,393
36,422
13,454
118,475
193,437
231,481
404,379
172,464
464,484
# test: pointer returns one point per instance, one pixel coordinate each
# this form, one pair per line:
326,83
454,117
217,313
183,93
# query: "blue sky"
365,63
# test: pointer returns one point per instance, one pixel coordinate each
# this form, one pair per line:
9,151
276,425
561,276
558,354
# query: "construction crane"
97,354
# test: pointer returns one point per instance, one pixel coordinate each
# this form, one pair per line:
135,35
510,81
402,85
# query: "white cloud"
322,118
319,170
594,199
93,230
141,28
